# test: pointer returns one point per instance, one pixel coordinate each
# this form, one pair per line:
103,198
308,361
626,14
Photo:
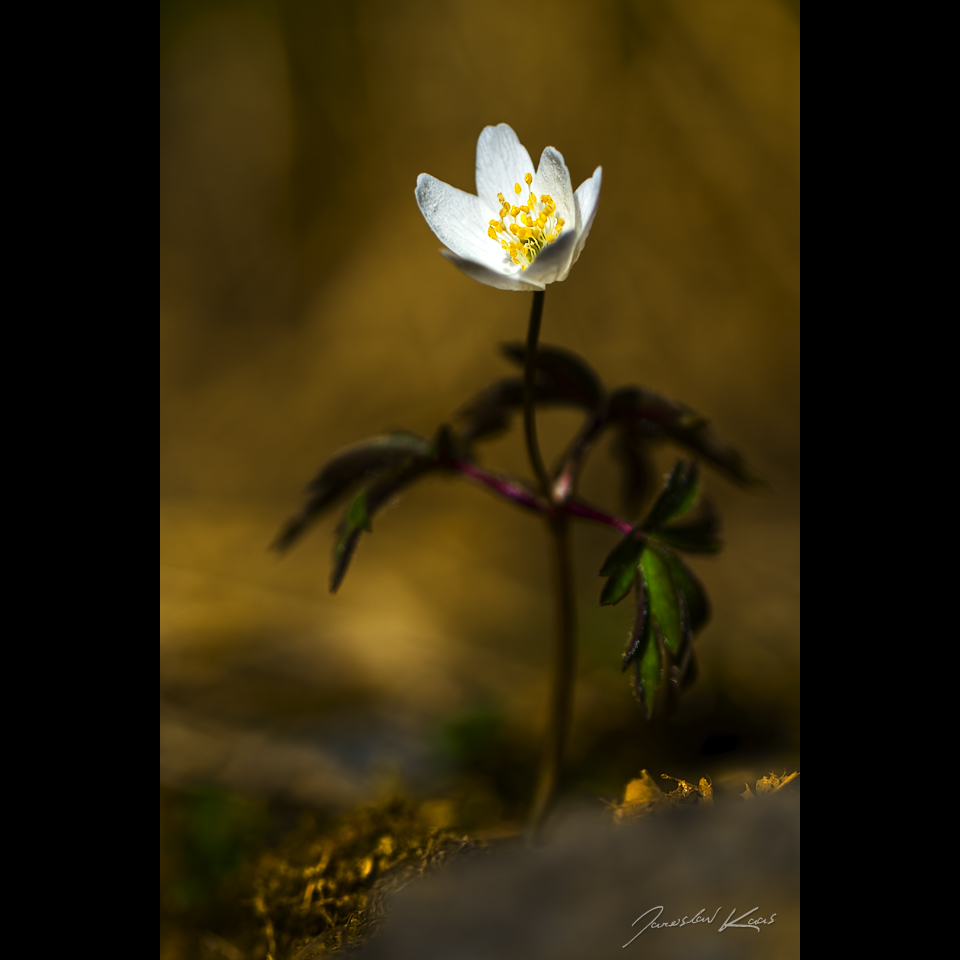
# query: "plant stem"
529,413
575,507
565,643
512,490
561,689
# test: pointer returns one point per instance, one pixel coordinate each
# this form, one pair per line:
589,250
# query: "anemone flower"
525,228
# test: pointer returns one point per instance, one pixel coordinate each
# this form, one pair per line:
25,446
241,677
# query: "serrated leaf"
680,661
677,607
664,606
677,496
348,469
365,505
697,436
641,625
355,520
625,553
445,446
623,404
621,567
566,371
694,595
356,516
629,451
654,416
617,587
696,536
650,672
567,471
488,414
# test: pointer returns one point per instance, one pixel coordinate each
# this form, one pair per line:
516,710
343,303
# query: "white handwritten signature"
754,923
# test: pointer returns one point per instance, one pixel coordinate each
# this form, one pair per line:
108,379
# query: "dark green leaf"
696,536
624,404
356,516
650,673
684,654
677,496
641,625
368,502
690,674
694,595
664,605
445,444
653,416
349,469
699,438
566,371
629,449
621,567
625,553
617,587
677,606
355,520
489,413
567,471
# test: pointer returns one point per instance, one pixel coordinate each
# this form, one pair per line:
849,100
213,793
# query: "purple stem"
521,495
511,489
580,508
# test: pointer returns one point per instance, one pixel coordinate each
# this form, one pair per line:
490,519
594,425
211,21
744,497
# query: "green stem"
565,646
561,688
529,413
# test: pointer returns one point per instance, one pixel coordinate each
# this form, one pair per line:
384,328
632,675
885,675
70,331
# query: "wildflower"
525,228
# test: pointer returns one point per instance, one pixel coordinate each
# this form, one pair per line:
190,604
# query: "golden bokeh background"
304,306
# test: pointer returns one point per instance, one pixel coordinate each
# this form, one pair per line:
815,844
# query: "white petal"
502,161
553,178
492,278
459,220
553,262
587,198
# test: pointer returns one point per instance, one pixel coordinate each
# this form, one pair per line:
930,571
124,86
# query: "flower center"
524,230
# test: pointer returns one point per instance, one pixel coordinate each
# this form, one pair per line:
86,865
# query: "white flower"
525,228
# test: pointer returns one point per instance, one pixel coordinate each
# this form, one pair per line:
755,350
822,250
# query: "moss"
322,888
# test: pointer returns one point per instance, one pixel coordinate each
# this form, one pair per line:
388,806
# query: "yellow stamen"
535,224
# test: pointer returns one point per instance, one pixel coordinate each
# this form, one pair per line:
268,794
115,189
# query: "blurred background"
304,305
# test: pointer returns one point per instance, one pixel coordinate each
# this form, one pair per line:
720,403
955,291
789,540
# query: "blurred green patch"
233,886
492,765
206,834
473,740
